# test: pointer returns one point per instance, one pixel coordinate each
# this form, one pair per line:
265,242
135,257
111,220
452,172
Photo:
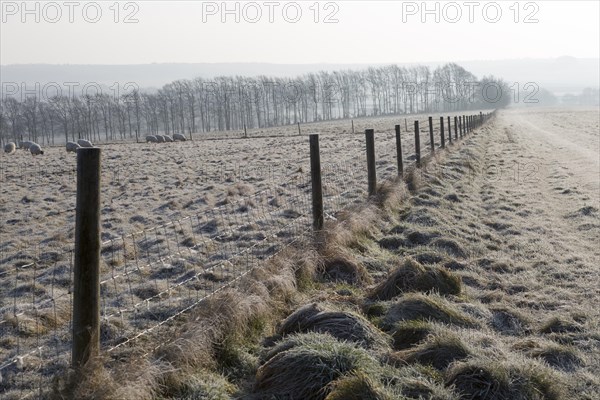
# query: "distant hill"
559,75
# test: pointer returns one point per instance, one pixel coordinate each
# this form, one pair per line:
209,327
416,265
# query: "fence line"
150,277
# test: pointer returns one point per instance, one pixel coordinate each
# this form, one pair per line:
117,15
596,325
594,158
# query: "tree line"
235,103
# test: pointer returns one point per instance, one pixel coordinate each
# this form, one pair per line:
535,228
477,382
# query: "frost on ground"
497,248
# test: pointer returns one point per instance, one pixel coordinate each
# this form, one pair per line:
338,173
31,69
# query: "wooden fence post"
417,144
352,126
317,186
442,132
86,294
399,151
449,130
431,134
455,127
405,125
299,133
245,131
371,172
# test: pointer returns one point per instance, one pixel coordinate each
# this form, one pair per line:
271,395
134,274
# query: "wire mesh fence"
152,276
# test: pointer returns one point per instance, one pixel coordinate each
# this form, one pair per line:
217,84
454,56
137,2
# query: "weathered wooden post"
417,144
442,132
299,132
352,126
431,134
371,172
399,151
86,294
245,131
317,186
456,127
449,130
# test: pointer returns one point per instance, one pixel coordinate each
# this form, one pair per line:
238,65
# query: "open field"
512,212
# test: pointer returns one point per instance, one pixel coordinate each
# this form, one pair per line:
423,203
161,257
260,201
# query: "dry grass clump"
416,306
94,381
438,350
559,356
294,340
559,324
342,325
230,315
508,321
406,334
411,276
415,381
389,195
493,380
358,386
450,246
304,372
203,384
345,269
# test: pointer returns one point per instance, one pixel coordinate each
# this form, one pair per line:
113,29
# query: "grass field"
477,278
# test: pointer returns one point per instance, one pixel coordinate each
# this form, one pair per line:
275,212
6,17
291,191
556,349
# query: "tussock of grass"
559,356
345,269
411,276
493,380
438,350
414,180
41,322
415,381
341,325
559,324
428,257
93,381
392,242
406,334
416,306
201,385
389,194
508,321
295,340
304,372
450,246
358,387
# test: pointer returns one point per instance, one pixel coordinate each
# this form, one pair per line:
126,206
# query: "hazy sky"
358,32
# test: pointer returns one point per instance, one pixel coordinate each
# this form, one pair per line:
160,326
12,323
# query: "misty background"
182,59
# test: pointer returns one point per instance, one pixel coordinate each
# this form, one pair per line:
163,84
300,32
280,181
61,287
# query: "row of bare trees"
232,103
